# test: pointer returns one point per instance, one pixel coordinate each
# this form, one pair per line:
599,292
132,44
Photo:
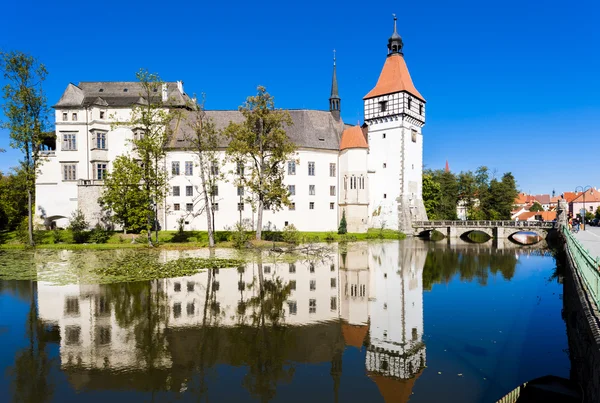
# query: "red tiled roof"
353,137
354,335
591,195
394,77
569,196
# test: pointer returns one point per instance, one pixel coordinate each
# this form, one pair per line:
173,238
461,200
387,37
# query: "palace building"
372,172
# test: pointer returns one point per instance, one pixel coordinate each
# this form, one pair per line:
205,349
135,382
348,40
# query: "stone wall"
583,330
88,193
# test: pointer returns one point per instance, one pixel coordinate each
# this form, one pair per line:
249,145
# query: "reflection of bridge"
495,229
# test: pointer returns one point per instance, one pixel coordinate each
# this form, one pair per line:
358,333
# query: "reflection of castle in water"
368,297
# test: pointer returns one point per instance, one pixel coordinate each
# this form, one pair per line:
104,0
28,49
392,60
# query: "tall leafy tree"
536,207
262,140
123,195
151,123
26,116
432,195
204,143
467,191
13,199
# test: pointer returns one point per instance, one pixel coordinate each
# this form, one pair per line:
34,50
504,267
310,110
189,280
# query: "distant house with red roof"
588,200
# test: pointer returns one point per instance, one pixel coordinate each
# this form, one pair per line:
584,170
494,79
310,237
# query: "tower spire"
395,42
334,98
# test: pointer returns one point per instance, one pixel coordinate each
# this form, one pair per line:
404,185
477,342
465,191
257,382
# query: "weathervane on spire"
334,57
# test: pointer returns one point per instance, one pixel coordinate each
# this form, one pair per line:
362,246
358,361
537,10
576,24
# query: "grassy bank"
63,239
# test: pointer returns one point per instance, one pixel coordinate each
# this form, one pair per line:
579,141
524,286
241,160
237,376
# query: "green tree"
78,225
448,194
262,140
26,116
151,123
343,225
13,199
204,142
536,207
467,191
598,213
123,195
432,195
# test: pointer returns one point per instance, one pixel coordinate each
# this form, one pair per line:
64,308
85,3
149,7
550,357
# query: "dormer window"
382,106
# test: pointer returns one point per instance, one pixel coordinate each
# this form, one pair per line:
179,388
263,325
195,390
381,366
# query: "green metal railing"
587,266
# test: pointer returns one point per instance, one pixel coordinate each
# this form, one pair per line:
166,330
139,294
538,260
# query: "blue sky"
509,84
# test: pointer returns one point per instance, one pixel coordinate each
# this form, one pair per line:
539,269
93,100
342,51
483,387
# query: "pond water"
385,321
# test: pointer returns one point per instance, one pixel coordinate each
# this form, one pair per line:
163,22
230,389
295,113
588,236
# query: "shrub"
343,225
272,235
78,226
291,235
222,236
330,237
57,236
99,234
239,235
180,235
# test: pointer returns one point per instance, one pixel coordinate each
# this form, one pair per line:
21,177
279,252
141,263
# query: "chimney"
165,95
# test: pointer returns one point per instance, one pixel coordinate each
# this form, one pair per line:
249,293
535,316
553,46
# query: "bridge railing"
485,223
586,265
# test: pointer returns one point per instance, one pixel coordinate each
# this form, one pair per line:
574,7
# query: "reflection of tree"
442,265
263,337
143,306
32,365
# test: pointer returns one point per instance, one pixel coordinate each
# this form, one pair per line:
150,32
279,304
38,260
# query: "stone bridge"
495,229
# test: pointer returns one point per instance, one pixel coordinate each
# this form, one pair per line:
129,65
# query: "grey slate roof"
116,94
310,129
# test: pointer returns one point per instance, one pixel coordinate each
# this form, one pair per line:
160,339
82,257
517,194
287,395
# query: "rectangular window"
72,306
65,118
332,267
311,190
311,169
72,334
69,142
311,267
101,170
69,172
332,190
189,168
292,268
313,285
240,190
292,285
176,207
190,309
333,282
215,190
292,190
175,168
267,269
214,170
420,109
239,170
101,114
332,170
293,307
175,190
240,206
189,190
291,167
311,205
414,135
331,206
333,304
190,286
312,306
103,335
215,206
177,286
189,206
101,140
292,206
177,310
409,103
74,117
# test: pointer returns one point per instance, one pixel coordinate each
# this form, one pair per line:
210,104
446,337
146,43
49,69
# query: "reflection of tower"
354,278
396,352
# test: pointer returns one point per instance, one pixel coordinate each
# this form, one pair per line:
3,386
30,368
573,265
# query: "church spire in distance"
334,98
395,42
